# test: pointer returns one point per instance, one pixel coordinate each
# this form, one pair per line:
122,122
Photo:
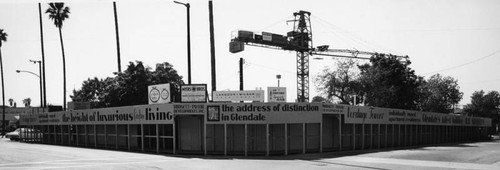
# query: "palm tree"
27,102
3,37
58,12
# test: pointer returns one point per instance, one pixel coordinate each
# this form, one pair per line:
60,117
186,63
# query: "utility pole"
212,44
188,39
241,73
43,58
39,72
117,38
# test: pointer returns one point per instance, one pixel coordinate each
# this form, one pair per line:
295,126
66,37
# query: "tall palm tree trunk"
3,94
64,69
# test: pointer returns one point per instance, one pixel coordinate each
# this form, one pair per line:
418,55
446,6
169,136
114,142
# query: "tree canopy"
389,82
58,12
440,94
484,105
319,99
128,87
3,37
342,83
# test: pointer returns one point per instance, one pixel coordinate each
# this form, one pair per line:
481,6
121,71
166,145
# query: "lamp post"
41,97
188,40
278,77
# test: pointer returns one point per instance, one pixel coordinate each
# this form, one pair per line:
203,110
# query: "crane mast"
300,41
302,35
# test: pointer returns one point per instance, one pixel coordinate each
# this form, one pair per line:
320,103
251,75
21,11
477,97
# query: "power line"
482,81
356,37
461,65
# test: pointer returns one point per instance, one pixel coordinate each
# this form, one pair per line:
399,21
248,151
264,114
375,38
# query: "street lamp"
278,77
188,40
41,97
41,82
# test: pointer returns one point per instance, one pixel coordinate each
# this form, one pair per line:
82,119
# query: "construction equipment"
299,40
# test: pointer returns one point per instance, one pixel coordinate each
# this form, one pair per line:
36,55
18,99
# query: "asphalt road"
480,155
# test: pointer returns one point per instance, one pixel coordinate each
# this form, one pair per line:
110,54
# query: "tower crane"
299,40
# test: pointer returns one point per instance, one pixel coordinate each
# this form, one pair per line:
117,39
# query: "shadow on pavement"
317,157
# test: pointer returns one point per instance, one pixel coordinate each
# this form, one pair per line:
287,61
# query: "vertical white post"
379,138
106,136
55,133
246,139
157,139
417,133
116,138
340,132
174,138
267,139
353,136
399,136
86,136
205,137
392,136
386,138
371,136
62,134
225,139
321,136
363,136
142,137
77,135
303,138
128,137
95,136
286,139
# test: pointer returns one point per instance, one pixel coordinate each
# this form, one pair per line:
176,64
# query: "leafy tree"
128,87
58,12
3,38
165,73
440,94
11,101
93,91
341,83
319,99
388,82
484,105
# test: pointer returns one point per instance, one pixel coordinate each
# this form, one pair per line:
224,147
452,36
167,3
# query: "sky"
457,38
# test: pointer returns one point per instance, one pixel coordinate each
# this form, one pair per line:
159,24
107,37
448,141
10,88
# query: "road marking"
88,164
420,163
70,160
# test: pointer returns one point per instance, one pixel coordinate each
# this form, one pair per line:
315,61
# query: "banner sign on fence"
144,114
159,93
194,93
255,113
249,113
374,115
276,94
236,96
